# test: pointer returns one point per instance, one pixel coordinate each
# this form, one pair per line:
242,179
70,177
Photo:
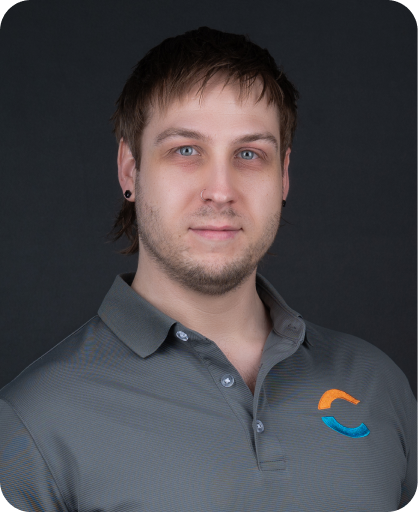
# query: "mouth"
216,233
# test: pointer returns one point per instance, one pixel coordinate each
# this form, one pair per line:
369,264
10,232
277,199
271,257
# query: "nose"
219,185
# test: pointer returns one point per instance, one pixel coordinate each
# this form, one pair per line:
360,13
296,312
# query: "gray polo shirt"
134,412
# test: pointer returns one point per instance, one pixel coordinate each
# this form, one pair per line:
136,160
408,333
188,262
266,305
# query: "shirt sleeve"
409,484
25,478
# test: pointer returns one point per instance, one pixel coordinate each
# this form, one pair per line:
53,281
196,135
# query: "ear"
126,169
286,173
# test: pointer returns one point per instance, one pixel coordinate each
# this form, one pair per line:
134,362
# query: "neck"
238,317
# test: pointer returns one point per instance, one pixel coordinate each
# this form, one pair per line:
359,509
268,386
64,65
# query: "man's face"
243,189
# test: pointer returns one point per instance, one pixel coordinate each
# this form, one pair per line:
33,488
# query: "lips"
216,232
217,228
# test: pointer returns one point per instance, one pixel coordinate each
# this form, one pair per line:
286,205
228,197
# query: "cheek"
174,203
266,208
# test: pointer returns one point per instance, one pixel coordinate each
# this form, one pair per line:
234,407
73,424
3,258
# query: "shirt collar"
143,327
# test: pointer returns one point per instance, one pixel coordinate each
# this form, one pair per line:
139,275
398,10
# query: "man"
204,254
196,387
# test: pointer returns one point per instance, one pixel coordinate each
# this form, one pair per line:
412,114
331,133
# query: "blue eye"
182,147
189,149
249,151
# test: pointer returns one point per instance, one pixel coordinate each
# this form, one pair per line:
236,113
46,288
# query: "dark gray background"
346,251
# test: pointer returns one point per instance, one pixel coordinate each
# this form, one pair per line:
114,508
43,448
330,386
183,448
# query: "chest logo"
325,403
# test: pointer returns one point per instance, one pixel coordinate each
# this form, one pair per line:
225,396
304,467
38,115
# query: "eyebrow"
192,134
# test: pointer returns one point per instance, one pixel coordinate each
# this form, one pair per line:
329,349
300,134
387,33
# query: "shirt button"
227,380
260,426
182,335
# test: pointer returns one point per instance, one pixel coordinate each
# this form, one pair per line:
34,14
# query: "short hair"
169,71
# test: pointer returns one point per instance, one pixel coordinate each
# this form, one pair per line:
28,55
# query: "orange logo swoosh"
332,394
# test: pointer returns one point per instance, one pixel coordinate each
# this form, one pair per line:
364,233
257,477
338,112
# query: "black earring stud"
283,203
127,194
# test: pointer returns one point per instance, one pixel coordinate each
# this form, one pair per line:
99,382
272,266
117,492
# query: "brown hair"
169,71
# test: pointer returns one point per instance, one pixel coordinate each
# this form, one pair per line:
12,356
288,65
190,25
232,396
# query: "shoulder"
57,373
357,357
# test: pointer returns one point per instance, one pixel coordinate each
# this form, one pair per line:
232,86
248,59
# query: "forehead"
227,103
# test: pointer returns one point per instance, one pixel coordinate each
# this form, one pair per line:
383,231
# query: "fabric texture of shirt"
135,412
